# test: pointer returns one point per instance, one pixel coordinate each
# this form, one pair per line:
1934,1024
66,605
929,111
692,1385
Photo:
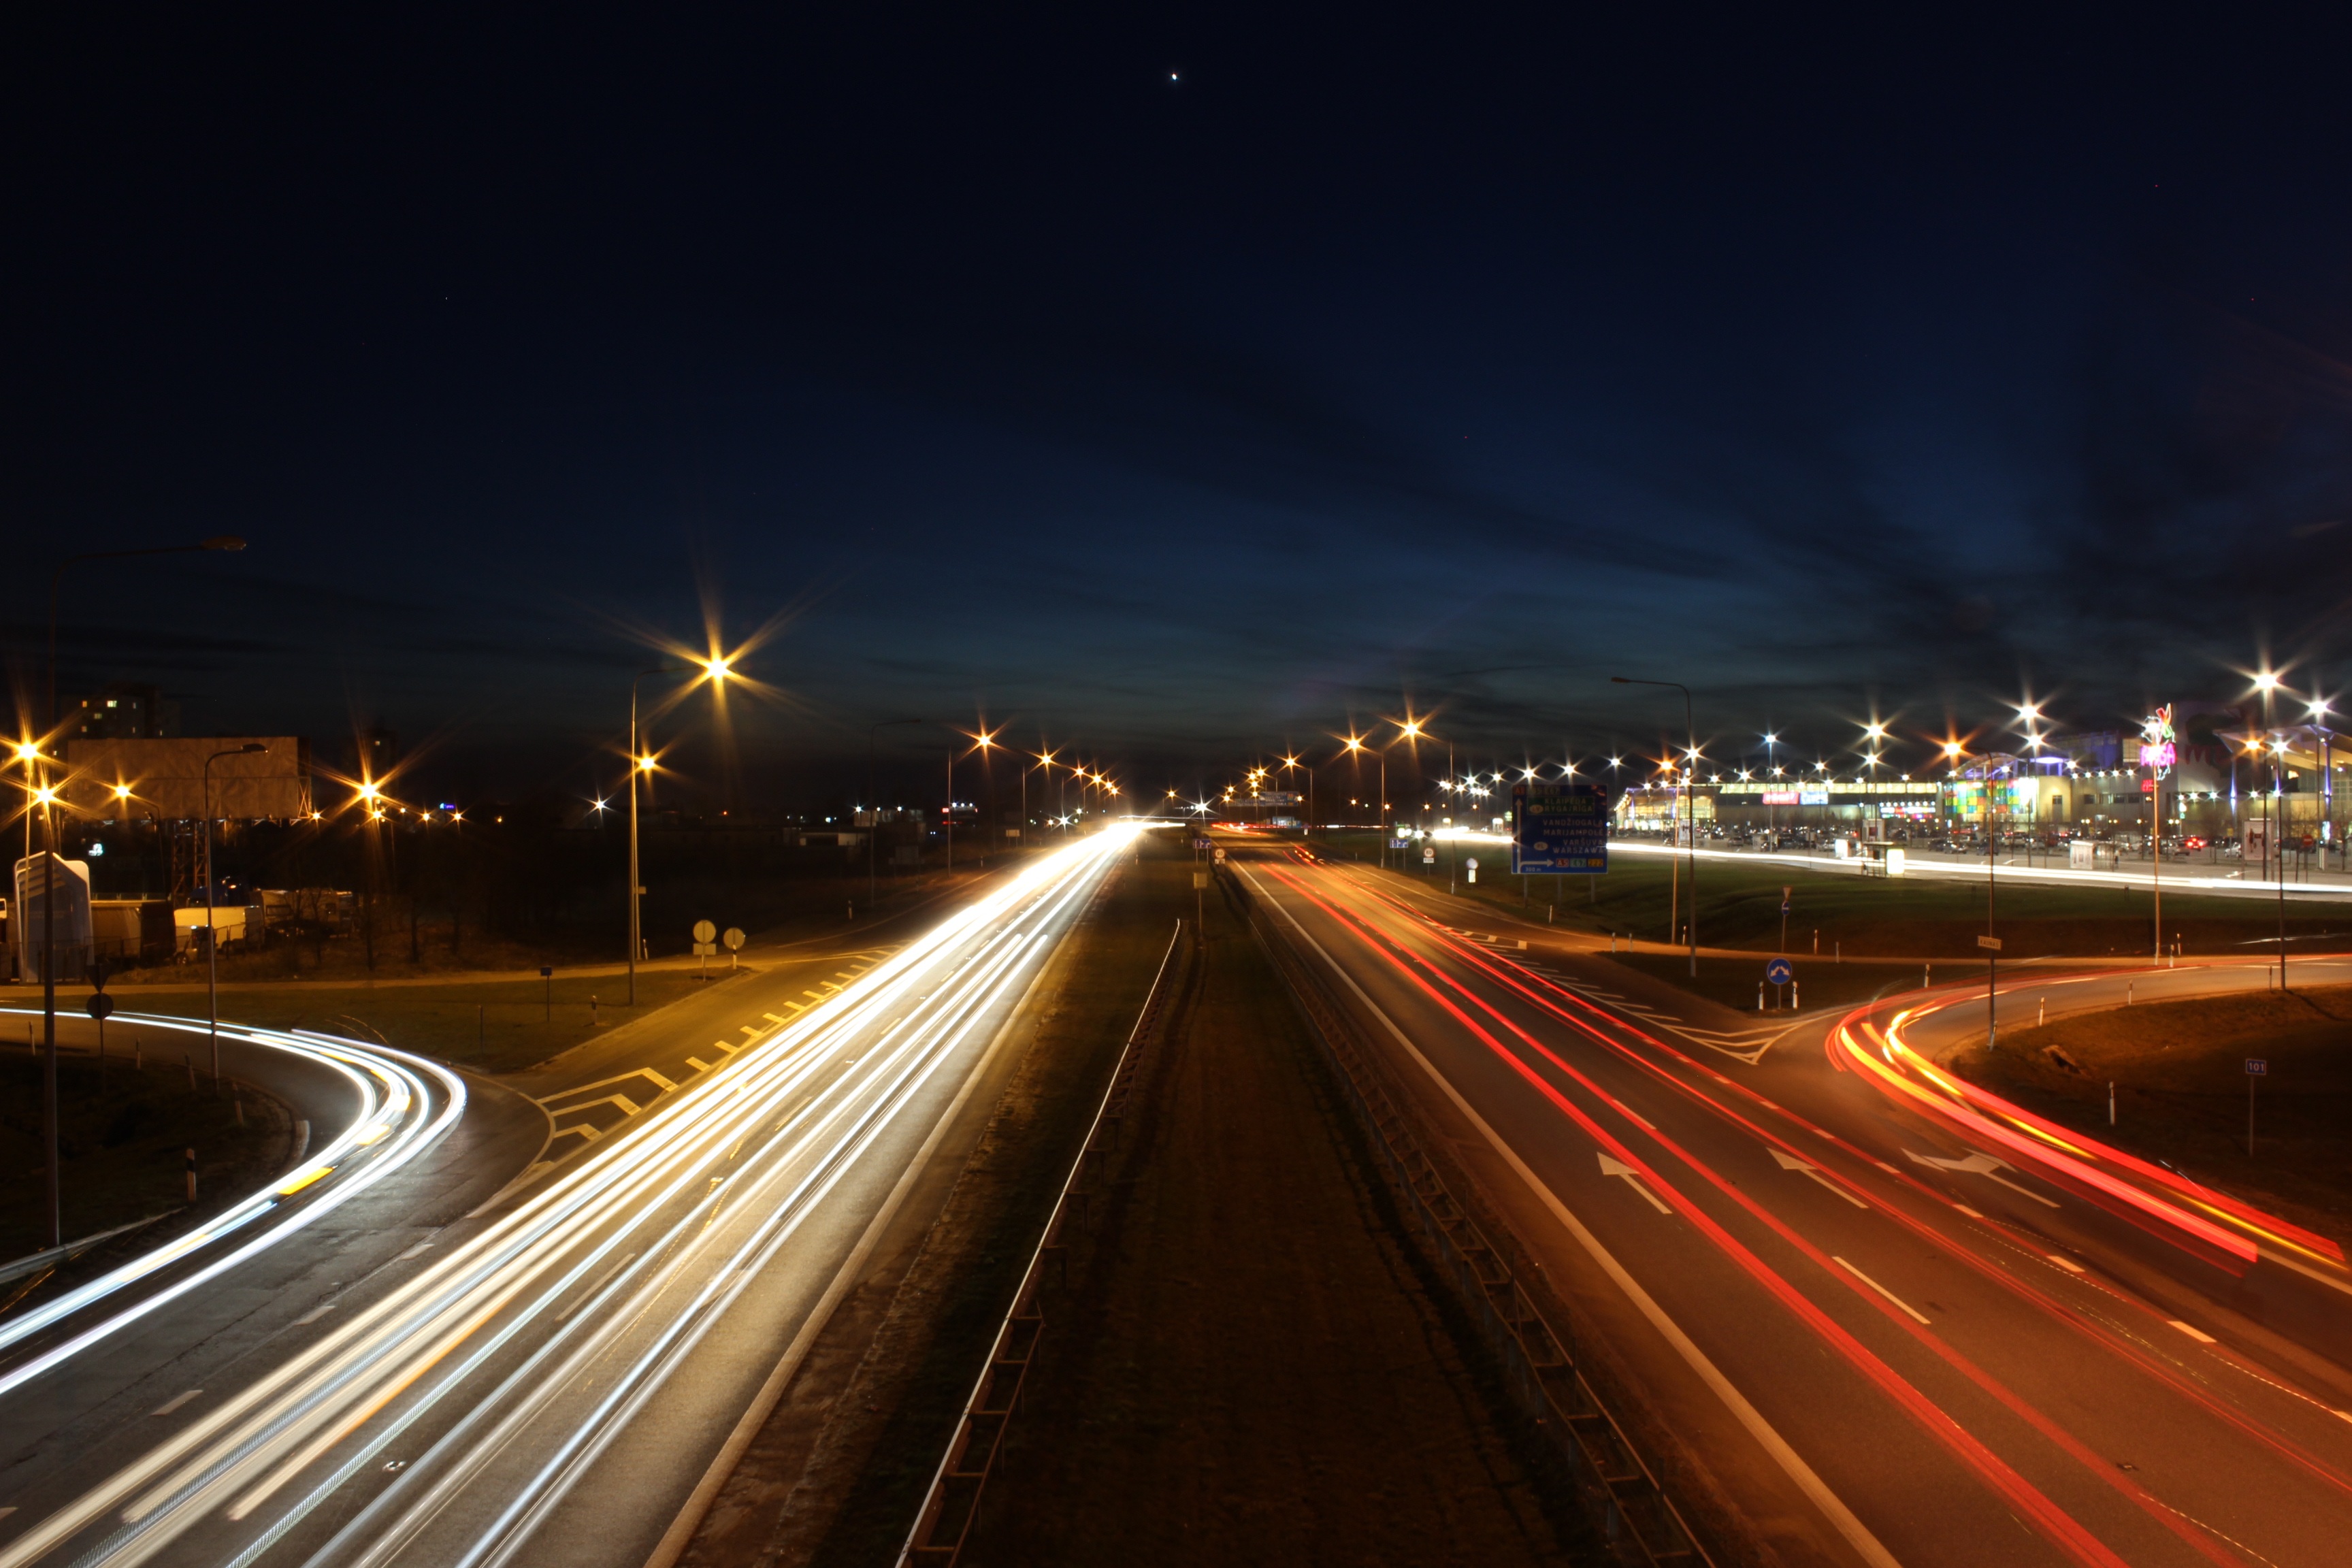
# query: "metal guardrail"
1634,1513
952,1503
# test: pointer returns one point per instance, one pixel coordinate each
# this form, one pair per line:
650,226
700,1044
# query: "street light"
1690,727
30,755
715,669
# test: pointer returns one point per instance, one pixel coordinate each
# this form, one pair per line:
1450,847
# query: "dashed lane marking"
314,1314
2199,1335
1916,1315
171,1405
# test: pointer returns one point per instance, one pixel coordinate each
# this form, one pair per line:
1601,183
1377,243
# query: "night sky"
1180,388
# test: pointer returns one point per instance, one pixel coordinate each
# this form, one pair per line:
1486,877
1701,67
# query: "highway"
1892,1320
547,1376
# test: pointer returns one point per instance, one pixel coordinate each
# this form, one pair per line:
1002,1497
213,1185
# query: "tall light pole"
212,900
2275,839
224,541
983,742
46,798
1690,726
874,806
1292,763
715,669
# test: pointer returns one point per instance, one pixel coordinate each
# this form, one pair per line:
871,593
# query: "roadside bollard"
192,1175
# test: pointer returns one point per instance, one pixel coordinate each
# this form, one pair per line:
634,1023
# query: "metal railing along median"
945,1520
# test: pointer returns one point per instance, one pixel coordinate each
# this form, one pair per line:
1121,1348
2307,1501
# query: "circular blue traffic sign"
100,1005
1780,972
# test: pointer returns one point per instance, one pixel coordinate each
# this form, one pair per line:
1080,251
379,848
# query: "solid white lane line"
1842,1518
174,1404
1850,1268
2199,1335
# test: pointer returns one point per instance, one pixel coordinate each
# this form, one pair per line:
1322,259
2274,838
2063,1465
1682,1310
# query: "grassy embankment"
2178,1068
1853,936
493,1026
124,1142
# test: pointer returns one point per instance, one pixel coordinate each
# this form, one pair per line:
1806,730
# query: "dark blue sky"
1820,365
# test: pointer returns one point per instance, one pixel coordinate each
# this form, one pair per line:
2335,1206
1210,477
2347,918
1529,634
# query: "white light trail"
697,1199
394,1101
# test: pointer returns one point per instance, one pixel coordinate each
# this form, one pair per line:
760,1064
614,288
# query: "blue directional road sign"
1780,972
1559,827
2258,1066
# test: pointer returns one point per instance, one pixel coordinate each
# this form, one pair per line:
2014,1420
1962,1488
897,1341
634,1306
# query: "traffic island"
2182,1091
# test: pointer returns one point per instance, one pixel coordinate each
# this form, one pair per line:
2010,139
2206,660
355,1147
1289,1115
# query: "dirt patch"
1250,1363
2178,1068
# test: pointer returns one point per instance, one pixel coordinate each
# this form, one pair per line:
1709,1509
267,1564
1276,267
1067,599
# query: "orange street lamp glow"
645,765
122,792
717,668
369,791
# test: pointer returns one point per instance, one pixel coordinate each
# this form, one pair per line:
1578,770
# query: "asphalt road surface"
1895,1321
540,1358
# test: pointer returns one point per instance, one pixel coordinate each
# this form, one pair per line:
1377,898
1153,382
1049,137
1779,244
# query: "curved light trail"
511,1363
397,1120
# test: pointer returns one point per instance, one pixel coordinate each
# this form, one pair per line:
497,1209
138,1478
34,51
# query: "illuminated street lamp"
1690,727
715,669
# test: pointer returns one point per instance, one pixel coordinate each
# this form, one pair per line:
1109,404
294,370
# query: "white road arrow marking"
1610,1167
1981,1165
1787,1162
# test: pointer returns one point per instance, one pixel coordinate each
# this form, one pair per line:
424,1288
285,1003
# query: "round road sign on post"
1780,972
733,938
705,932
100,1005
